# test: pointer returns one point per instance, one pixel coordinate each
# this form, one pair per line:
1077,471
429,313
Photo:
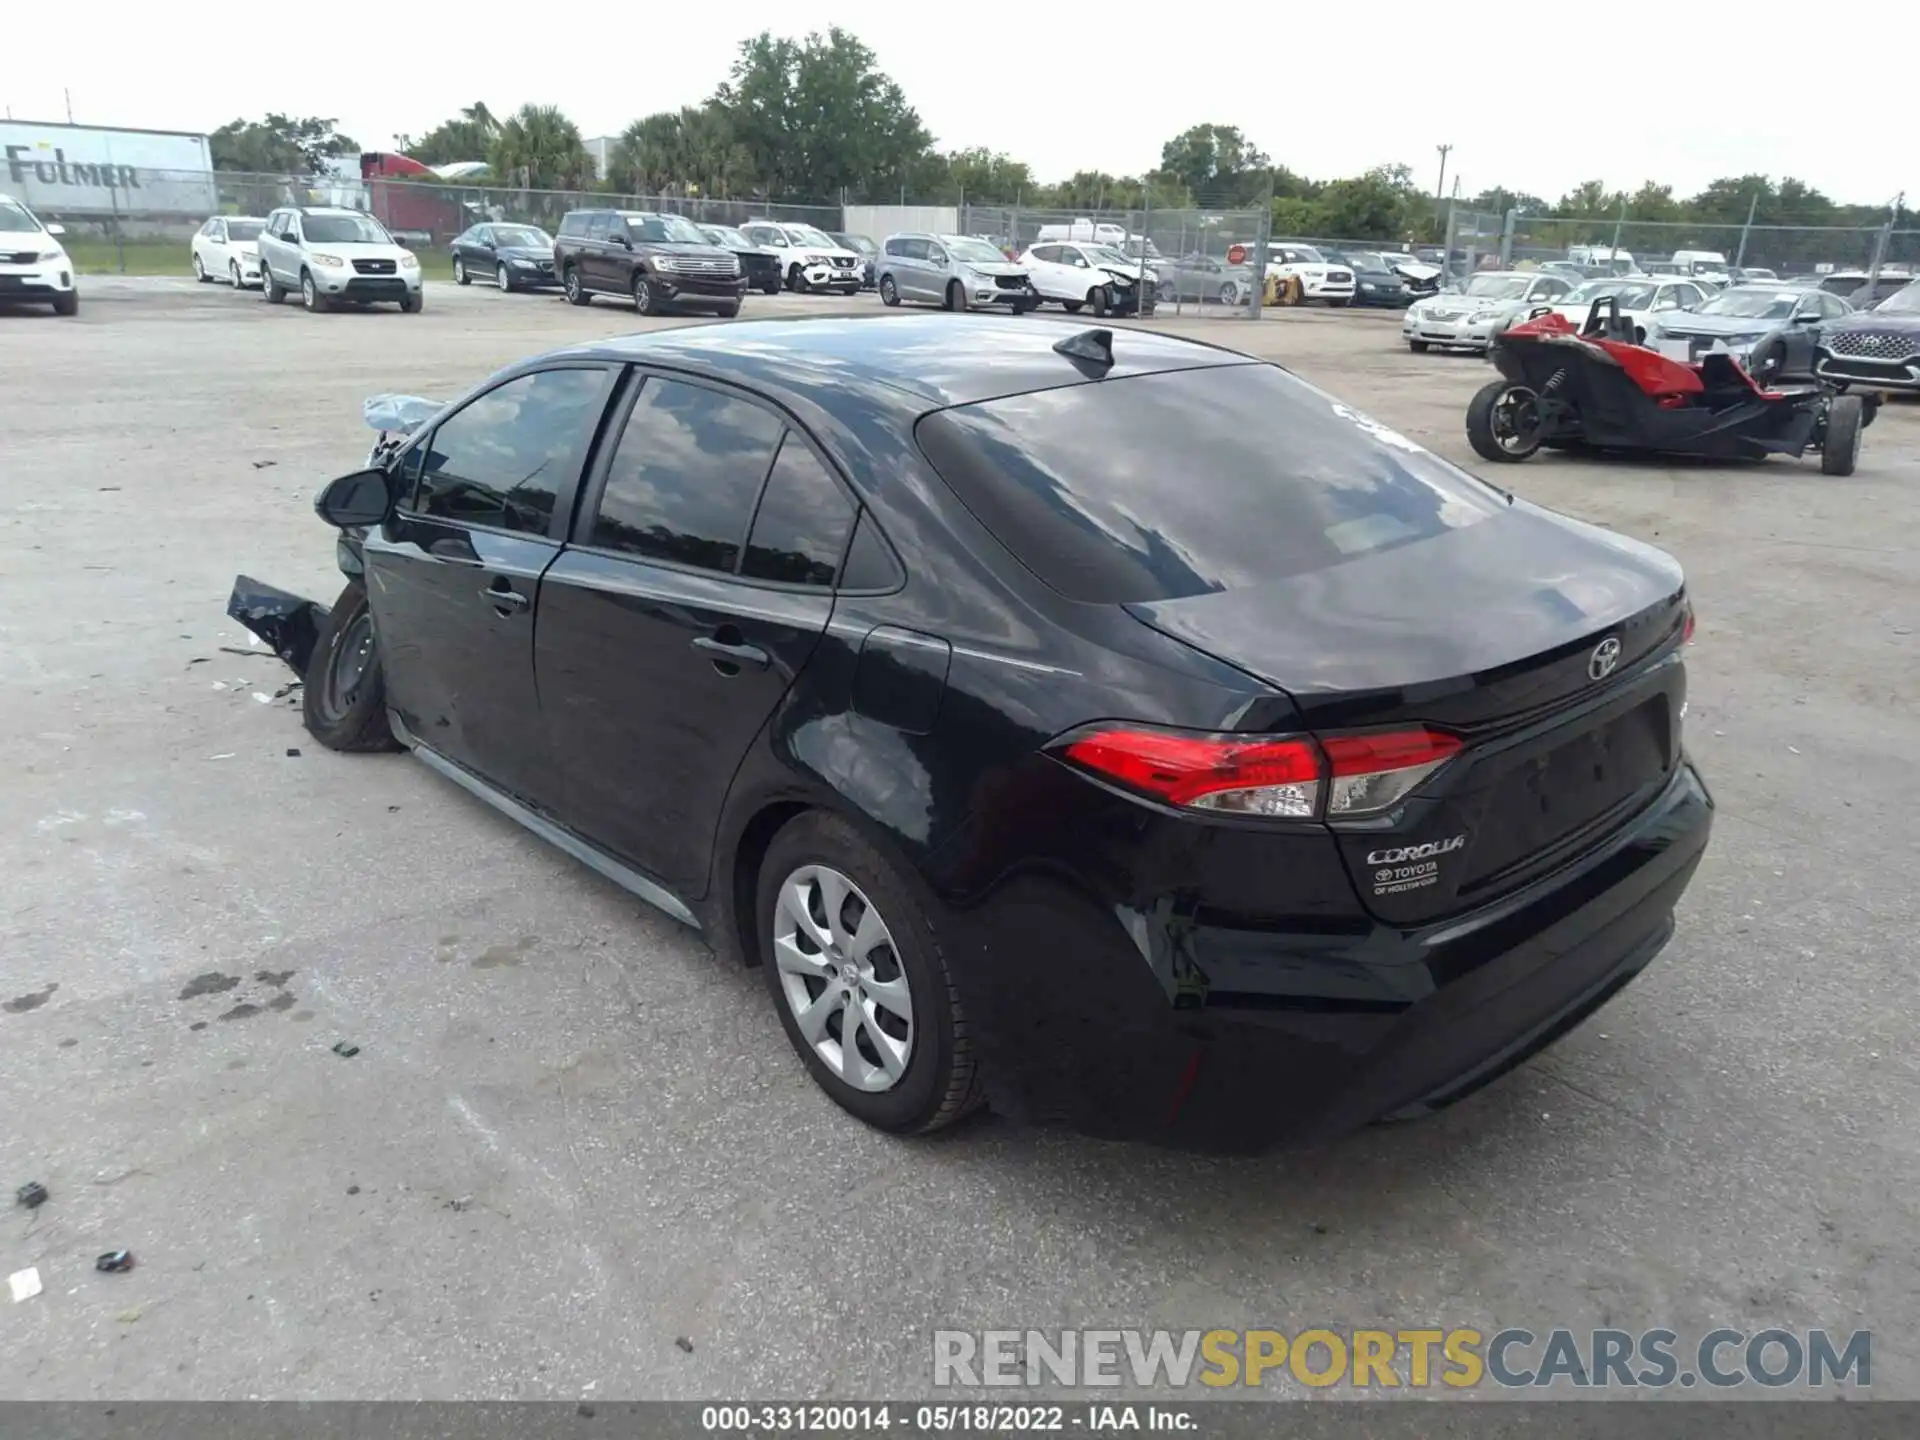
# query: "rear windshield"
244,229
1155,487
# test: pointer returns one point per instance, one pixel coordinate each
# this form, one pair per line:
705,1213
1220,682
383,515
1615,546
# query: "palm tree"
539,148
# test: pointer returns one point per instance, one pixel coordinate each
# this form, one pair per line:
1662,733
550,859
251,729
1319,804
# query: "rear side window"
682,484
573,223
501,460
800,531
599,225
1155,487
896,245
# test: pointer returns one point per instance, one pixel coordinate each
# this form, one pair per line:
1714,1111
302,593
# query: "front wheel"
859,980
502,281
67,303
1503,422
645,300
460,276
414,302
729,310
270,290
1072,307
1099,300
576,291
200,271
797,281
344,699
956,296
1840,449
1418,347
310,295
233,272
889,293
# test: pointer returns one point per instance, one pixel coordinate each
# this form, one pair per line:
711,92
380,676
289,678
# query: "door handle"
503,596
724,654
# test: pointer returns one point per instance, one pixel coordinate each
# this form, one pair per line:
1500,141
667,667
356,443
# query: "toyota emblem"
1606,655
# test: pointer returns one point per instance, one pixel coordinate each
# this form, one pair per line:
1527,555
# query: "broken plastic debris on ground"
24,1284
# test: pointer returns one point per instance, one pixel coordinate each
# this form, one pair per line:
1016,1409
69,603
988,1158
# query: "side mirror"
1805,317
56,229
625,240
362,498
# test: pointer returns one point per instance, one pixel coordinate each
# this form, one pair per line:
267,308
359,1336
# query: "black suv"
660,261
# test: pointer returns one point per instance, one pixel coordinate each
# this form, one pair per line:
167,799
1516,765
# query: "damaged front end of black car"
332,648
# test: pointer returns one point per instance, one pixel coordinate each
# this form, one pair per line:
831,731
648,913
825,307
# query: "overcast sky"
1533,98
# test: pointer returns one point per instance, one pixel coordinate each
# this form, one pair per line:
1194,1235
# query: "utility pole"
1440,187
69,97
1746,229
1618,224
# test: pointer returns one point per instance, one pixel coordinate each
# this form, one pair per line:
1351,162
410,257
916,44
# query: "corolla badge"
1604,659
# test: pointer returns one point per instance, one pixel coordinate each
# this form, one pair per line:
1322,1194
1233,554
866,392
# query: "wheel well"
747,855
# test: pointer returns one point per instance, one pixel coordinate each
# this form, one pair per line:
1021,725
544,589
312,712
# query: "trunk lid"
1551,648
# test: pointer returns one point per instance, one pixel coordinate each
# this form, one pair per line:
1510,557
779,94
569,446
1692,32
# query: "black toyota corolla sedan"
1106,727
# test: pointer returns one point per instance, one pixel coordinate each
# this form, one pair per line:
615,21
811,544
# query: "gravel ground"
572,1139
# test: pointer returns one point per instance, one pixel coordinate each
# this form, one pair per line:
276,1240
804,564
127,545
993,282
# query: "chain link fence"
1207,262
123,205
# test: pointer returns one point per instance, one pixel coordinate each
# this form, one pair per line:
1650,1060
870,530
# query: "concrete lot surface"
572,1139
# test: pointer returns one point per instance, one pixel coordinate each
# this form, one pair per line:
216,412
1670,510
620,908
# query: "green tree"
278,144
1216,165
1378,205
467,136
690,151
819,120
1499,200
539,148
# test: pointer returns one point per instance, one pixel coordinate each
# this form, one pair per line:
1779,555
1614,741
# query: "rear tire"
1490,427
1840,450
67,304
344,699
940,1081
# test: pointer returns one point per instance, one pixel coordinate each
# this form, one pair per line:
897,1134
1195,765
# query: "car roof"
327,210
933,360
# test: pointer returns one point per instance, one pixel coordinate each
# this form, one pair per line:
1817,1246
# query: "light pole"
1440,188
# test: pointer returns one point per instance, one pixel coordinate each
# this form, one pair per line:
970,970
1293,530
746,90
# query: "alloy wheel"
234,269
841,977
502,279
459,271
1516,420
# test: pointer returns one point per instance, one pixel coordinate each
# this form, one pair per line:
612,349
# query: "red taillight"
1289,777
1372,773
1244,774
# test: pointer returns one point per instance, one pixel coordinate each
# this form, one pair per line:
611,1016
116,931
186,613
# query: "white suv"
33,262
334,256
1319,277
810,258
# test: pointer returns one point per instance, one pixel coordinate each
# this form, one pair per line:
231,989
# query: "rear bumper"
1136,1016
